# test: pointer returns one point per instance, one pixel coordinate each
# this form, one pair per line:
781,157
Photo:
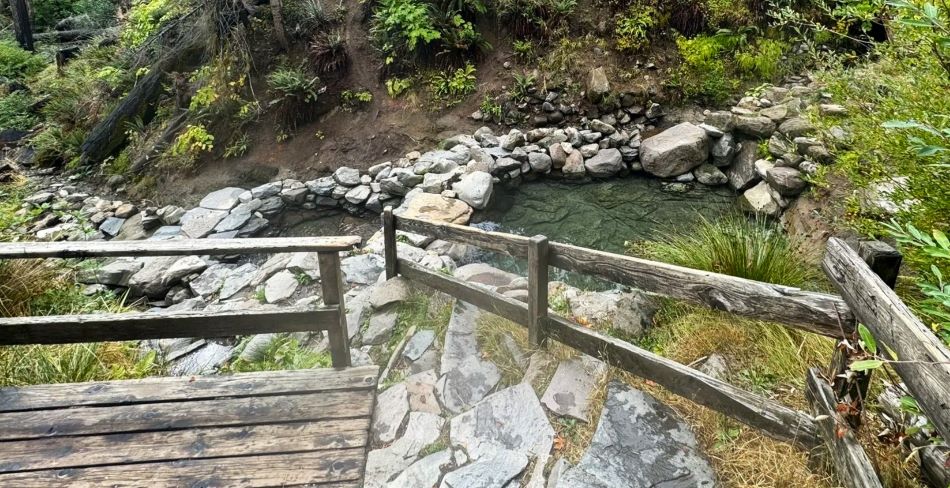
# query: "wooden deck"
281,428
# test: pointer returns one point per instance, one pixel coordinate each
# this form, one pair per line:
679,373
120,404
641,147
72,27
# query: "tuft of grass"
425,310
73,363
751,249
283,353
501,341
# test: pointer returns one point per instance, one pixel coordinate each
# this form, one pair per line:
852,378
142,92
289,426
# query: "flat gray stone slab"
418,344
237,280
280,287
363,269
421,389
380,328
389,292
199,222
211,279
392,406
511,419
203,361
424,472
466,378
570,389
223,199
640,442
382,465
494,471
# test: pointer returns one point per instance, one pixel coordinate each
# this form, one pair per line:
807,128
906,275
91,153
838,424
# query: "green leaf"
866,364
941,239
869,343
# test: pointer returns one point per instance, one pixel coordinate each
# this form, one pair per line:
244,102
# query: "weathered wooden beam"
810,311
495,303
537,289
176,247
921,360
331,281
181,388
513,245
67,329
852,464
389,242
770,417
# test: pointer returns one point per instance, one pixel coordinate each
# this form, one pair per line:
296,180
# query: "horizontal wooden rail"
923,362
67,329
772,418
483,298
175,247
513,245
810,311
852,464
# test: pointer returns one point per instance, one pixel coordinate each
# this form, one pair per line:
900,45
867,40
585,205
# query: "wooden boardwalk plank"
187,388
340,466
202,413
98,450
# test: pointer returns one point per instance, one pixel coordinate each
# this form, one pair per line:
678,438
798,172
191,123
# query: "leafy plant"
703,71
524,84
193,141
400,27
634,26
931,20
328,52
354,98
936,248
940,138
15,111
524,49
238,147
294,93
490,109
456,84
762,60
145,18
16,63
397,86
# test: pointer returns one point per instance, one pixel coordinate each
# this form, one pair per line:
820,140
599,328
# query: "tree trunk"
276,11
21,24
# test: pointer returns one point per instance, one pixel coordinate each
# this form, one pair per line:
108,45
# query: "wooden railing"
865,298
64,329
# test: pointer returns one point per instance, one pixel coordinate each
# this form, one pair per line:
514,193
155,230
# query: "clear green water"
600,215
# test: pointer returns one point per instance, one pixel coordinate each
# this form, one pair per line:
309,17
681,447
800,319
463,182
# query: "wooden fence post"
884,261
389,242
331,281
537,289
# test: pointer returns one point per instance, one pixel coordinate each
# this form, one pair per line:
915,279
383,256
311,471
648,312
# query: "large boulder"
755,126
742,173
759,201
475,189
430,206
640,442
675,150
606,163
466,377
509,420
787,181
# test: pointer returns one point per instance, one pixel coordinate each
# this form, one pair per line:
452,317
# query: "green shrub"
736,246
397,86
145,18
702,73
524,49
294,92
456,84
634,26
16,63
539,18
15,111
56,145
934,250
762,60
355,98
401,27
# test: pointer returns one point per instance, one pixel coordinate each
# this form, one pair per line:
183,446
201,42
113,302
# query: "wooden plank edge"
67,329
186,388
852,464
175,247
814,312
